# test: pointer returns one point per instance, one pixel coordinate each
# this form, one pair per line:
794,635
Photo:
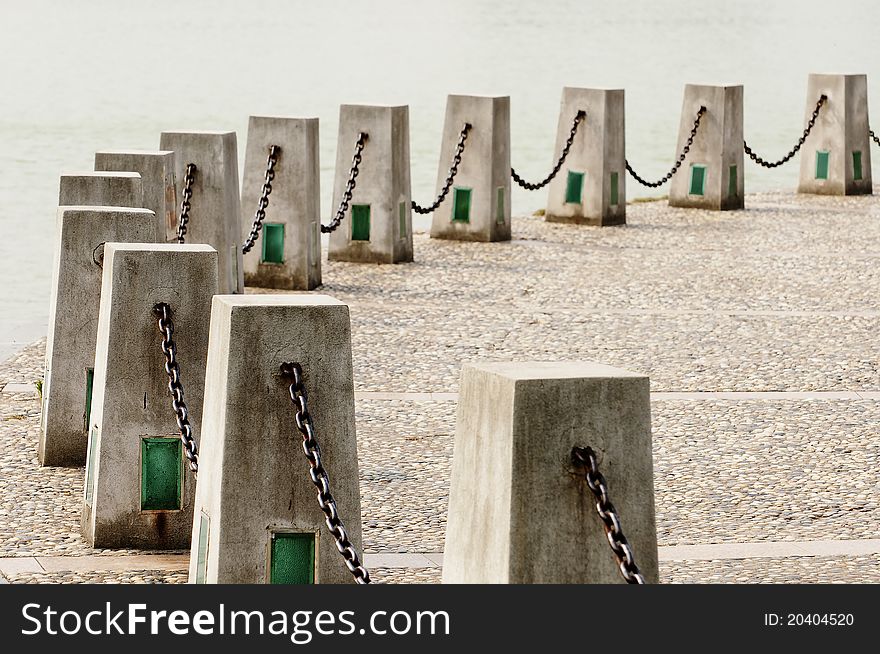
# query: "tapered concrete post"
711,176
73,323
157,173
836,157
215,216
590,189
520,511
138,492
257,519
478,206
377,227
288,252
101,189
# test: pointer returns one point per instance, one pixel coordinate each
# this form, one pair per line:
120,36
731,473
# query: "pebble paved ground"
780,297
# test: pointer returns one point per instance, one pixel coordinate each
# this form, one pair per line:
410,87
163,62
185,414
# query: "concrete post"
288,252
101,189
836,157
520,512
215,216
478,206
256,508
138,492
73,323
590,189
711,176
157,173
378,225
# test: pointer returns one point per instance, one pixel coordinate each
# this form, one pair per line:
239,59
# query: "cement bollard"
591,187
288,252
257,518
138,492
378,224
101,189
215,216
73,323
478,206
711,176
157,173
836,156
520,511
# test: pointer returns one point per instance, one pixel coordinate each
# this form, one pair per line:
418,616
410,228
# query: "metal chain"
578,119
678,162
260,214
172,369
453,171
188,180
349,186
773,164
318,474
874,136
608,515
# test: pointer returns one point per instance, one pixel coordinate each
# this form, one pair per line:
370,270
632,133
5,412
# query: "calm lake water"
96,74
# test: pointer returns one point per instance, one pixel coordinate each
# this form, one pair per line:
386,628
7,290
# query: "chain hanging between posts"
773,164
318,474
172,369
349,185
188,180
585,457
874,136
260,215
678,162
453,171
578,119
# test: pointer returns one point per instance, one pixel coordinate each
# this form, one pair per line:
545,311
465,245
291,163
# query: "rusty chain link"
172,369
678,162
874,136
260,215
773,164
453,171
318,474
578,119
586,457
188,180
349,185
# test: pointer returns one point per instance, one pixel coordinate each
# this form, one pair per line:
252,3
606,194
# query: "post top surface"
592,88
296,118
478,95
153,153
371,105
838,75
157,247
533,370
102,173
198,132
718,85
277,300
76,208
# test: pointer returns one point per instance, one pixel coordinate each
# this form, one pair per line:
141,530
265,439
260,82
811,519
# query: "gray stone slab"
73,321
101,189
131,402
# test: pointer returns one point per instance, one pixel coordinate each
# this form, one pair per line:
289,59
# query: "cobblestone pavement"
781,297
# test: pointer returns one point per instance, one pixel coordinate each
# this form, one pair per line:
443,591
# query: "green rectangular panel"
202,551
360,222
90,382
822,164
615,190
574,188
857,165
273,243
292,558
401,216
461,204
698,180
314,242
90,465
499,205
161,474
732,182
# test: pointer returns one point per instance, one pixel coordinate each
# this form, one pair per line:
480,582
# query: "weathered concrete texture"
711,176
294,206
101,189
131,401
215,216
73,321
251,487
840,134
484,170
519,510
595,170
157,174
383,185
